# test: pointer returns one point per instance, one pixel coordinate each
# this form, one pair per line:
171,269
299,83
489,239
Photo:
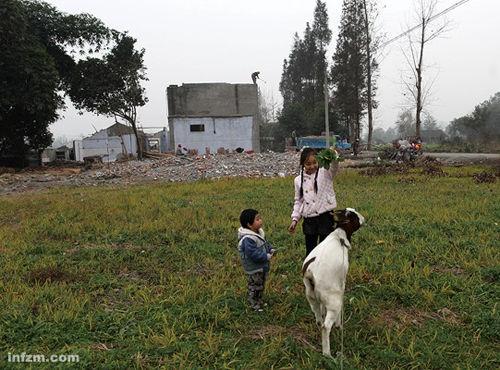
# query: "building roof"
119,129
212,100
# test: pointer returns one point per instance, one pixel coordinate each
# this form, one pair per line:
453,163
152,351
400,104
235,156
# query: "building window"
197,128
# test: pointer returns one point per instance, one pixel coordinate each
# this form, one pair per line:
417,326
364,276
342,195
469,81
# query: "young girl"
314,199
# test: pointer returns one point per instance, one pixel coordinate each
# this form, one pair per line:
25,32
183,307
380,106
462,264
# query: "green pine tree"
303,77
348,72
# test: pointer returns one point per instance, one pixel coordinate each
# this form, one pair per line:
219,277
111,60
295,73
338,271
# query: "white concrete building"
214,132
110,144
212,116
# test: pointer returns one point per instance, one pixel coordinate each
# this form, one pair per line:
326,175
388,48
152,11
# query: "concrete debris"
163,169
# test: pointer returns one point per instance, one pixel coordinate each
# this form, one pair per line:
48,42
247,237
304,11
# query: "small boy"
255,254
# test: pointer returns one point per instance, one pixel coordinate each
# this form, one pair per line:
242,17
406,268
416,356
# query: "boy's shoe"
257,308
262,304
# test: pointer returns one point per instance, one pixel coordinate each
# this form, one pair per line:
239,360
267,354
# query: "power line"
450,8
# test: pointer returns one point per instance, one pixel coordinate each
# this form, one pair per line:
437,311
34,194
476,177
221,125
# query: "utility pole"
327,123
368,76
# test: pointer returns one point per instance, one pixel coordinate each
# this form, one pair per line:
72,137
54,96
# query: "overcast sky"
189,41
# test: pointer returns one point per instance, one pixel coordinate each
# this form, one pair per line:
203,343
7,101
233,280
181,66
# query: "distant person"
314,199
255,254
294,138
355,147
403,144
416,143
255,77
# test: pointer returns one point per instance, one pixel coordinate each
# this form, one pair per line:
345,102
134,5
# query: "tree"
112,85
482,126
381,136
425,13
29,79
35,63
303,77
371,46
267,106
405,123
429,122
352,63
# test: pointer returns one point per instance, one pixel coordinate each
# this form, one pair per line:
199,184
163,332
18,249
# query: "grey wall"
212,99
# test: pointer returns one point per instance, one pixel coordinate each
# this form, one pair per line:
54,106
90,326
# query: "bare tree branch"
425,13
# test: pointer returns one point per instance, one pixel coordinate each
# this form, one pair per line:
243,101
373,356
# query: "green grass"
470,147
148,276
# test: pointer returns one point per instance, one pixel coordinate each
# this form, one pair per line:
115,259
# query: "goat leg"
325,332
313,302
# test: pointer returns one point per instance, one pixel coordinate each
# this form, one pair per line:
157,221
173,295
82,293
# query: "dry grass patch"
272,331
407,180
403,317
50,274
433,168
448,316
101,346
200,269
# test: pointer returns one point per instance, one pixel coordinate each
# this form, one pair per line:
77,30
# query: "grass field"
148,276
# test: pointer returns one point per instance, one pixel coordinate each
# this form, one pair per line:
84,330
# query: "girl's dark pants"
316,229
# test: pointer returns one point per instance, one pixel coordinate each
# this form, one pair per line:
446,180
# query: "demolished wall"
213,115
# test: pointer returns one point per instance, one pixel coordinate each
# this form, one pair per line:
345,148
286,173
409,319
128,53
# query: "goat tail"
306,265
309,281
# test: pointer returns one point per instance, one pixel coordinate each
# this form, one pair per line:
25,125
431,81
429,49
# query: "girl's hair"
306,152
247,217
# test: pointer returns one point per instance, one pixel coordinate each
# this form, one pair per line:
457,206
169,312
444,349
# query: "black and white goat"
324,273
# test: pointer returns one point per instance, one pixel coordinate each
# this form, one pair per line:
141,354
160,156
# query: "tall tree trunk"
138,141
352,128
358,126
419,79
368,78
132,119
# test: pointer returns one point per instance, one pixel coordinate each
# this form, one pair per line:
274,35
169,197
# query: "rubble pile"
433,168
484,177
166,169
191,168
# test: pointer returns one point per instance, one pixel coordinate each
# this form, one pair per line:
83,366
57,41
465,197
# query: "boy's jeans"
256,282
